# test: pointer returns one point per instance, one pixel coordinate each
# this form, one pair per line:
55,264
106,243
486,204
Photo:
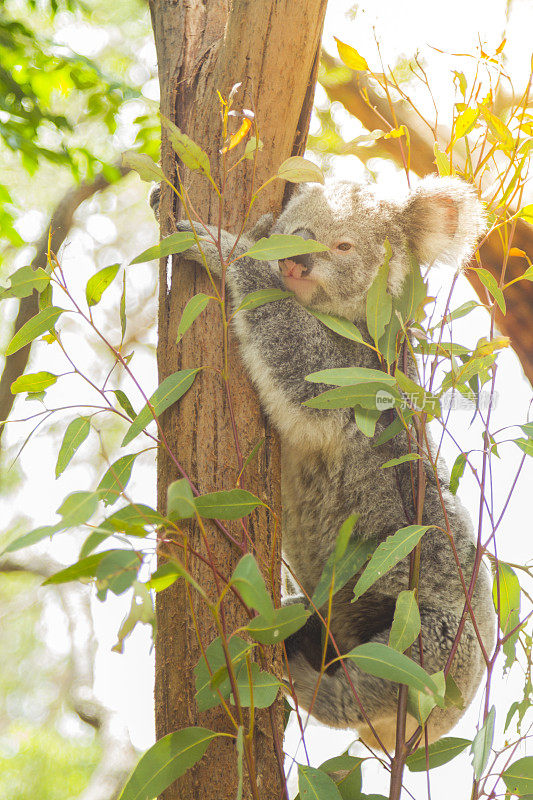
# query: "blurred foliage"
38,762
63,109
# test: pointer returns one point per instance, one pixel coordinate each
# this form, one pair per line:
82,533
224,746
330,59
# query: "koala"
330,469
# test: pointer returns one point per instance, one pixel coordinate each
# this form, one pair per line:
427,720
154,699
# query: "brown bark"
517,323
59,226
271,46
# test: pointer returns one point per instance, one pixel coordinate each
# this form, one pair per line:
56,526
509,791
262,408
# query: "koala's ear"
262,227
442,220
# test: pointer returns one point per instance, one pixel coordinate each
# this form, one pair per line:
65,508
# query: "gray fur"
329,468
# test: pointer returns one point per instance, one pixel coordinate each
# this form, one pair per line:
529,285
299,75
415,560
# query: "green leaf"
491,284
384,662
24,282
180,500
406,623
265,687
439,753
283,245
124,403
252,146
349,785
132,520
165,576
316,785
118,569
528,429
262,296
357,552
393,429
167,393
395,462
461,311
193,309
418,397
85,568
163,763
122,312
98,283
378,300
363,394
212,680
366,419
75,435
509,594
339,325
343,537
188,151
175,243
93,540
526,445
33,382
77,508
116,479
414,292
519,777
457,472
482,744
286,620
27,539
350,56
420,704
388,554
234,504
300,170
350,376
145,166
34,327
248,580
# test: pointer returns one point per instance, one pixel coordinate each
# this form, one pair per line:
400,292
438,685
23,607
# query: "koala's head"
440,220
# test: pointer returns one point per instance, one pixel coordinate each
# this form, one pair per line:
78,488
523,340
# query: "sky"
125,682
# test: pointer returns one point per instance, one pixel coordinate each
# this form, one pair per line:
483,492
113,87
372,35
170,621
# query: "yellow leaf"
497,127
239,136
515,251
485,348
396,133
443,165
465,122
350,56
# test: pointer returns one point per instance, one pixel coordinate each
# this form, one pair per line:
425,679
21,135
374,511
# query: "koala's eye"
344,246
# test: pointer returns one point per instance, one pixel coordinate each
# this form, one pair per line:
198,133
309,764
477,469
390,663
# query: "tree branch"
60,224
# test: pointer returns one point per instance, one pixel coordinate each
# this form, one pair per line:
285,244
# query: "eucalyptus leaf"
300,170
145,166
98,283
395,547
276,628
192,310
166,761
232,504
384,662
33,382
75,434
438,753
283,245
166,394
41,323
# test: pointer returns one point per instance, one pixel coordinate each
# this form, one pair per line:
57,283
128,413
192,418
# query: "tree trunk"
272,46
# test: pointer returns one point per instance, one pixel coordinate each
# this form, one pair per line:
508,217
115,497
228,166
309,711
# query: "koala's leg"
336,705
